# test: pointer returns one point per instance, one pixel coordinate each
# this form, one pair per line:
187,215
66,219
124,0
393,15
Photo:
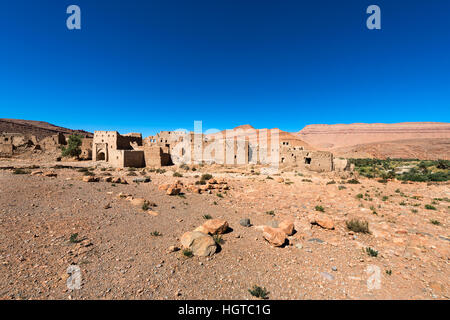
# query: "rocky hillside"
422,140
258,136
39,129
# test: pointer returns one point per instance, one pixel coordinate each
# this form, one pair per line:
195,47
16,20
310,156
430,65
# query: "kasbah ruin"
235,214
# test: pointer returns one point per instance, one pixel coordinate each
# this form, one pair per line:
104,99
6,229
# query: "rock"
245,222
89,179
173,191
36,172
274,236
323,221
316,240
199,243
279,180
287,227
138,202
216,226
334,268
107,206
212,181
327,276
163,187
172,249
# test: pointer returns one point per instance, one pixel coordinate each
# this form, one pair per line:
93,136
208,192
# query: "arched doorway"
101,156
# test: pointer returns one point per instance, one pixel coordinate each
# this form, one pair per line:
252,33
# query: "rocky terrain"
422,140
293,234
40,129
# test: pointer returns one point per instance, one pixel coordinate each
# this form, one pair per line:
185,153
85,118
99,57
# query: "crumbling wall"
6,149
86,148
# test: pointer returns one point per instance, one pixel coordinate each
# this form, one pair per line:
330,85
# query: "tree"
73,146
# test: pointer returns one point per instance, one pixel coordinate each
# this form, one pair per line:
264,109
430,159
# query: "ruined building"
177,147
118,150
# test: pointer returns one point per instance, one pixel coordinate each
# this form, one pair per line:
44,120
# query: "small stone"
327,276
245,222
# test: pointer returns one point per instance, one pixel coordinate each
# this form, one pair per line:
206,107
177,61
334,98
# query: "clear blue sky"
150,65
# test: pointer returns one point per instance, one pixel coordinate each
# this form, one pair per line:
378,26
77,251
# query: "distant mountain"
422,140
258,135
39,129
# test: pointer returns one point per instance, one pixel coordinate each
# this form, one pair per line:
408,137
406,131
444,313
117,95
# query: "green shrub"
187,253
430,207
319,208
259,292
435,222
371,252
206,176
73,148
177,174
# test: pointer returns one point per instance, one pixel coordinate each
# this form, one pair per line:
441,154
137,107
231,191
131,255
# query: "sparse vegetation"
259,292
220,195
270,213
20,171
371,252
187,253
207,216
218,239
430,207
435,222
177,174
408,169
319,208
359,226
206,177
74,238
156,234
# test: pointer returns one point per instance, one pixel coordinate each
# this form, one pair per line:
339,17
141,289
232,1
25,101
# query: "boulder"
138,202
171,191
274,236
215,226
323,221
89,179
279,180
245,222
163,187
199,243
287,226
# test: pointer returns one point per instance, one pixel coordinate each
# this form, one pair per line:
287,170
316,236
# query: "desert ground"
50,219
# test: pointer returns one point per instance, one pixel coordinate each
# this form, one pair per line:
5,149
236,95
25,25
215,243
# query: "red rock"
274,236
215,226
287,227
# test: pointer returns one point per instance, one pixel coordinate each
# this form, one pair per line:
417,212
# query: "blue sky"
150,65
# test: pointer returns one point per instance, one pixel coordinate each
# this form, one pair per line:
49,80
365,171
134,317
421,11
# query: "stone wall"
6,149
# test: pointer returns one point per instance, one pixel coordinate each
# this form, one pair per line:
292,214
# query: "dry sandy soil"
120,259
